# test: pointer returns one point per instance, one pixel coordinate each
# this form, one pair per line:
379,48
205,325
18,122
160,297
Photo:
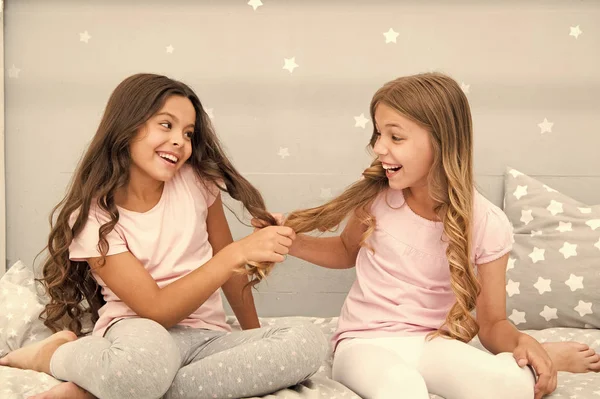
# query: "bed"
18,298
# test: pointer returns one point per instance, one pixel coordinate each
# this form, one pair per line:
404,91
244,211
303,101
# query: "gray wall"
518,59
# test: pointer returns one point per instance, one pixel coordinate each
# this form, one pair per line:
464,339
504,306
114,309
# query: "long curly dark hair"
103,169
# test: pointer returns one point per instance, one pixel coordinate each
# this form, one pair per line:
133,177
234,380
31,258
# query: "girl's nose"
379,148
176,139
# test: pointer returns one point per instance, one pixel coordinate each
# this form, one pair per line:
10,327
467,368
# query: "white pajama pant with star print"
138,358
411,367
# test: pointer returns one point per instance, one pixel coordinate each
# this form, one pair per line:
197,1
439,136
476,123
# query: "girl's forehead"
393,121
386,114
178,107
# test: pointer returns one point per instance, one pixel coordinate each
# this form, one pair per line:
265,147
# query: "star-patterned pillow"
20,307
553,276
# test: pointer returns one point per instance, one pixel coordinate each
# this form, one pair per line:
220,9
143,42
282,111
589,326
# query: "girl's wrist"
524,338
295,248
234,256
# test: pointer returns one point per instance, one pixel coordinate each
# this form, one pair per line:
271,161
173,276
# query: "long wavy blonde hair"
437,103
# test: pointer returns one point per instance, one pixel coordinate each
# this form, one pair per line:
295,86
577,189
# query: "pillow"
20,307
553,276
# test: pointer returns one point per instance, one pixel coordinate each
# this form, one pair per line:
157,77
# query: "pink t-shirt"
170,240
404,287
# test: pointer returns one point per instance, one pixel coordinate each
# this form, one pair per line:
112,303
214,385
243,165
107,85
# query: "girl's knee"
376,371
402,382
134,383
307,347
312,341
144,368
513,381
141,337
392,382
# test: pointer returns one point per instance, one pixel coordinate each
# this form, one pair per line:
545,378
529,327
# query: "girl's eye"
189,135
166,125
396,138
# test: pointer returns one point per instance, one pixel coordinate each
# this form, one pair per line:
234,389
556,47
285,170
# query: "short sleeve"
209,189
211,192
85,244
492,236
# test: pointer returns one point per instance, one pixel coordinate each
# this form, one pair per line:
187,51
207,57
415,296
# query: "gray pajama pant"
138,358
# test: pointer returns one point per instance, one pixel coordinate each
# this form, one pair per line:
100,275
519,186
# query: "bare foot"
573,357
65,390
37,356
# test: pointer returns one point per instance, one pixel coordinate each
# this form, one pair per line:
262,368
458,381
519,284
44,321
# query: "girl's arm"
338,252
125,275
496,333
238,294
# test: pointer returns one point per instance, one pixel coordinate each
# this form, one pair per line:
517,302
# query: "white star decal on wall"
545,126
255,4
84,37
575,31
290,64
283,152
361,121
390,36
